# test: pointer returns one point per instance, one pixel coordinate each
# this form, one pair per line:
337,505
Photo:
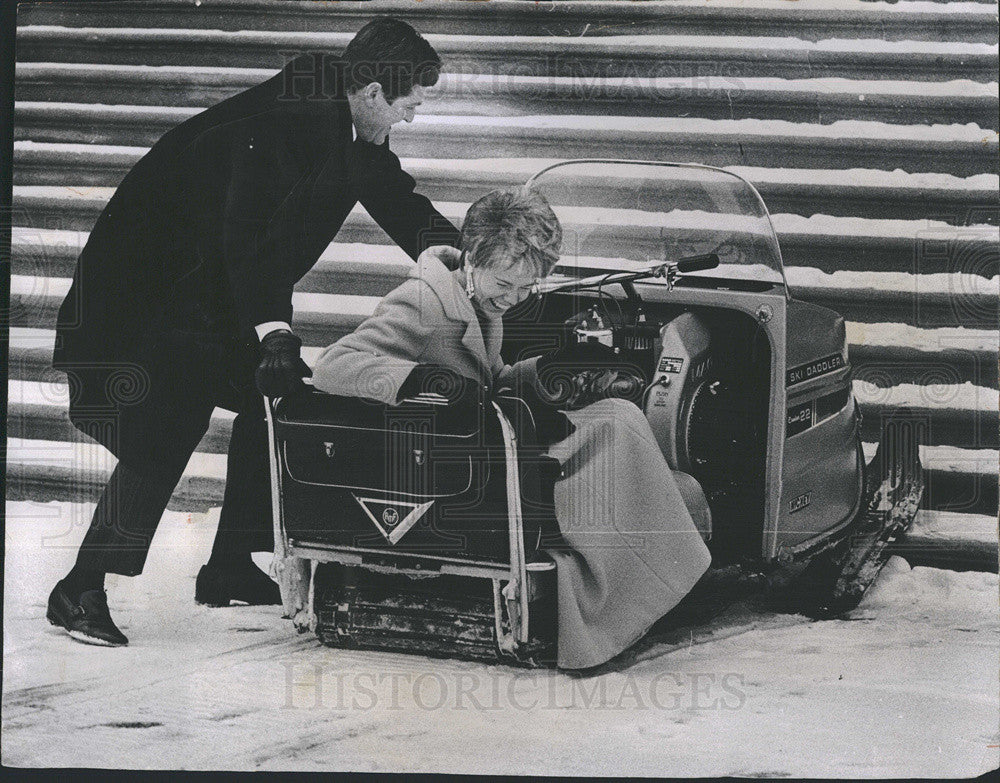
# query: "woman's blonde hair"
509,226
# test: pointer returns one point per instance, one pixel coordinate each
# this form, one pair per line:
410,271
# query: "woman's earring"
470,288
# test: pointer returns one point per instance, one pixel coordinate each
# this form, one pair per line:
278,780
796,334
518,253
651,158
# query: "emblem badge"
799,503
387,517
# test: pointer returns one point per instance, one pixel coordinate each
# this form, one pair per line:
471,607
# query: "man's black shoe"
87,619
217,586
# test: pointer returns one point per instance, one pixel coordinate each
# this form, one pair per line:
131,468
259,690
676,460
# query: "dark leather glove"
281,368
579,356
433,379
558,370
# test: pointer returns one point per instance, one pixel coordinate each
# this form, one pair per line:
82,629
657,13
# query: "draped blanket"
634,549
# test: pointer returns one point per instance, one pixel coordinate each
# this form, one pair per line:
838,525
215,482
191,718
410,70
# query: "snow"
949,337
835,131
28,235
873,334
450,81
922,590
742,85
80,149
525,167
341,304
749,43
846,178
27,286
906,686
119,68
708,82
881,334
785,224
869,178
610,44
171,113
86,458
87,193
951,459
841,129
335,251
806,6
880,228
956,284
942,396
30,336
875,10
56,393
952,527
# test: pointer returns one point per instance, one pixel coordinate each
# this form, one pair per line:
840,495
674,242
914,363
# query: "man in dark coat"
182,297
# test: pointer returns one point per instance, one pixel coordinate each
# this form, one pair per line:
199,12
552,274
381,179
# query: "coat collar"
457,307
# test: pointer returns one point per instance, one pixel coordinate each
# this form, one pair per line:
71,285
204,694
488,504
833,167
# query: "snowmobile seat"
426,478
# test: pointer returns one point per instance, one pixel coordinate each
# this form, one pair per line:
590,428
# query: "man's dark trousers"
208,371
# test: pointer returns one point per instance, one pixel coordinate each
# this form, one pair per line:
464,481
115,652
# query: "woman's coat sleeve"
373,361
514,376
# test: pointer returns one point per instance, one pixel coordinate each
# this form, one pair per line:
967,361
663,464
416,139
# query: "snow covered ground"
907,686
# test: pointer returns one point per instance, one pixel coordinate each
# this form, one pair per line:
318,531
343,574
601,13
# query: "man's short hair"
512,225
393,54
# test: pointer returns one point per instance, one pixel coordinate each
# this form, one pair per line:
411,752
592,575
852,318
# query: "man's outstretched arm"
387,193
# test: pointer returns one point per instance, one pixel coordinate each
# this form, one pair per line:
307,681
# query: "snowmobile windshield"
621,215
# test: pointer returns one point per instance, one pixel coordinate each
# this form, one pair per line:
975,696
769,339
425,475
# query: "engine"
702,381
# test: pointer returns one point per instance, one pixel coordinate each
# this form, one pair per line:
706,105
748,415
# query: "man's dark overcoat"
208,234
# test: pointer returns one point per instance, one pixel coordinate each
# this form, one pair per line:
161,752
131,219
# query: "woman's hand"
588,355
565,373
602,381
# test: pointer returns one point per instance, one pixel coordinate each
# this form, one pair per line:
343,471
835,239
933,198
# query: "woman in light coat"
634,550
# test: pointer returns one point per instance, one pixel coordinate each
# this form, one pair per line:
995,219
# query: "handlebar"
668,270
698,263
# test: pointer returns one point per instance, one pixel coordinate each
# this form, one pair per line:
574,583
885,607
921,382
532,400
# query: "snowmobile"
421,527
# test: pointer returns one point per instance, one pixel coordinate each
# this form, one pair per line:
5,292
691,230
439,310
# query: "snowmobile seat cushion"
422,449
697,504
